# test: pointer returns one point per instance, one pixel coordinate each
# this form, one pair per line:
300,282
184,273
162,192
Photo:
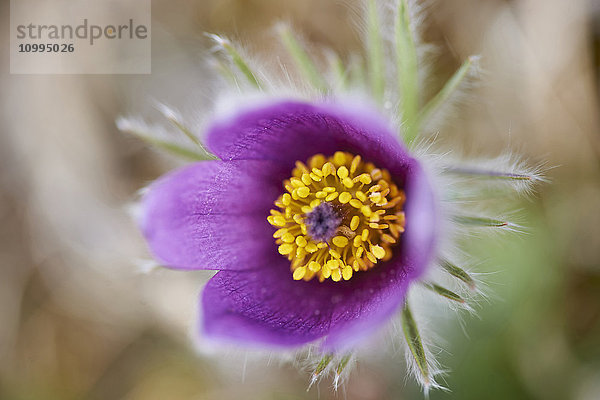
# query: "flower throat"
339,215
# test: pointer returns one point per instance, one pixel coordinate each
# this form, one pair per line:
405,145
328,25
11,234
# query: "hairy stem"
376,64
302,59
458,273
415,345
408,76
449,88
442,291
238,60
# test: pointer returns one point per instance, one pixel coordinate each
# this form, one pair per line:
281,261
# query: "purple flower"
316,217
221,215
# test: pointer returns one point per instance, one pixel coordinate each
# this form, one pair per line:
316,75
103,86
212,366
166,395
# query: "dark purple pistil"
322,222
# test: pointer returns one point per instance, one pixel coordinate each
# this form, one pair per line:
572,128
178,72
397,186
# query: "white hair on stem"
453,94
505,170
161,137
419,299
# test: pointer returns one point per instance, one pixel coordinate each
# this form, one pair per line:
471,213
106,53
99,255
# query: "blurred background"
79,318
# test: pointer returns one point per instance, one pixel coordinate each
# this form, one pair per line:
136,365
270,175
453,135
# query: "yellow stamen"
306,179
328,169
332,196
286,248
371,257
296,182
361,196
347,272
340,241
288,238
356,203
369,218
334,253
339,158
378,251
342,172
311,247
303,191
354,223
301,242
345,197
354,165
314,266
325,271
365,235
336,275
299,273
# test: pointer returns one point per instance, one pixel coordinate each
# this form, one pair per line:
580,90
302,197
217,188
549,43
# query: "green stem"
408,76
192,137
442,291
415,345
376,65
170,147
480,221
342,365
323,364
302,59
238,60
458,273
490,174
338,68
449,88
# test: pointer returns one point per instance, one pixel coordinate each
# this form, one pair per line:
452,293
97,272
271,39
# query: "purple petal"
422,220
212,215
288,131
268,307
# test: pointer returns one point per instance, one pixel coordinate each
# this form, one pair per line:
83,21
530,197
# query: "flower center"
339,215
322,222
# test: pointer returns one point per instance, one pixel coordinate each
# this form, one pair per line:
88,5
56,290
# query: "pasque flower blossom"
321,208
213,215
